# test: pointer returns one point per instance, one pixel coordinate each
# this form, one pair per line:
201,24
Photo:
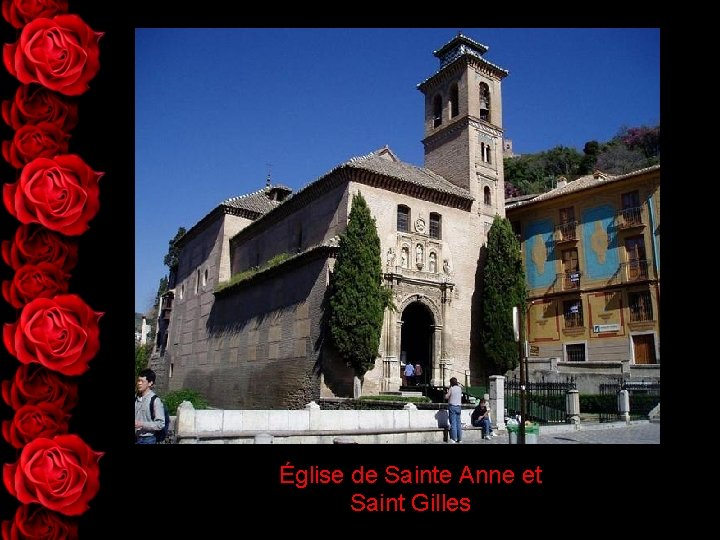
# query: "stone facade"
259,343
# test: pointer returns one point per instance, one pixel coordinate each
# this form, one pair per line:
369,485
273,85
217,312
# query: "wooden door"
644,346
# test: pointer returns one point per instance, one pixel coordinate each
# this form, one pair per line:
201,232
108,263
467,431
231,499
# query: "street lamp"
518,323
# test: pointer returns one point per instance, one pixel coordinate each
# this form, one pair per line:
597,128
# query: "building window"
205,277
454,105
640,306
437,110
487,198
566,229
636,258
485,152
197,281
182,291
403,218
575,352
571,270
573,313
484,102
631,209
435,225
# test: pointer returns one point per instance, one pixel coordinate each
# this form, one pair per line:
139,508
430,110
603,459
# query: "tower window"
197,281
205,277
403,218
437,110
487,198
485,152
435,225
484,102
454,105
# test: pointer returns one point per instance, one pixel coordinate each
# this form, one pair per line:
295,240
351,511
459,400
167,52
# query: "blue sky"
217,109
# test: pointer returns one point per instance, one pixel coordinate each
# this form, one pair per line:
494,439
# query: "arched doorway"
417,338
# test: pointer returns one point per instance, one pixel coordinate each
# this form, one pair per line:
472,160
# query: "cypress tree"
357,298
504,281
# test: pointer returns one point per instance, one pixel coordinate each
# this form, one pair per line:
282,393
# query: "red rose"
31,281
61,473
35,140
34,244
34,421
61,333
35,384
34,104
61,194
20,12
61,53
34,522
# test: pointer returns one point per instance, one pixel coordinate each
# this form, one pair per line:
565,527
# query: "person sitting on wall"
480,417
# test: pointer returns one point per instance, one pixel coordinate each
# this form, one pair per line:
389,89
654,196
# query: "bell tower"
463,123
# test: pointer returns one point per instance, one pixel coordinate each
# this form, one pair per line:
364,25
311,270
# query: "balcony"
629,218
641,311
635,270
568,281
565,233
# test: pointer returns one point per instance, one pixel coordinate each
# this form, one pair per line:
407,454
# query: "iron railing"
644,395
545,401
629,217
565,232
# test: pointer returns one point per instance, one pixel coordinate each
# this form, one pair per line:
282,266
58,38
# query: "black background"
229,490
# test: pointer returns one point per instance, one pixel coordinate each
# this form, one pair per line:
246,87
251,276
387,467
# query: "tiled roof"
257,201
584,182
385,162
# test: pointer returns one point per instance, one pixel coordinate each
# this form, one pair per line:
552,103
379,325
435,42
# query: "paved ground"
637,432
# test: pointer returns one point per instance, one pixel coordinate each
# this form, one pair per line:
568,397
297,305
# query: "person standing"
145,426
418,374
454,399
410,374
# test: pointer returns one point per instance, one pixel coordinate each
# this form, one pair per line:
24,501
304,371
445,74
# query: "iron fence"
643,395
545,400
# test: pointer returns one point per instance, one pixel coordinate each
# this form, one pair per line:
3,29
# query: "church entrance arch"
417,340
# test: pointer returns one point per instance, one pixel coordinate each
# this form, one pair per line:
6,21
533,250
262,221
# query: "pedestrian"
454,399
480,417
410,374
418,374
145,427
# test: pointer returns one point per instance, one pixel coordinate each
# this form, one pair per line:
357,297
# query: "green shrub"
598,403
250,272
172,400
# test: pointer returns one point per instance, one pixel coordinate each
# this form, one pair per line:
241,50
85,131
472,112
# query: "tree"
357,299
590,151
162,289
142,357
172,257
504,288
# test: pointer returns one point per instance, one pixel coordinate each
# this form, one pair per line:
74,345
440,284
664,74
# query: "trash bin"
532,433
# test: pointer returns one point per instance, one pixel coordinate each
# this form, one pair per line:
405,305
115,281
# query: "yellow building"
591,253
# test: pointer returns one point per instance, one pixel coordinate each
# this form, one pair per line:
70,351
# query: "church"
242,321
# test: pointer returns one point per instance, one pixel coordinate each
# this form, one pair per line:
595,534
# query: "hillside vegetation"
631,149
